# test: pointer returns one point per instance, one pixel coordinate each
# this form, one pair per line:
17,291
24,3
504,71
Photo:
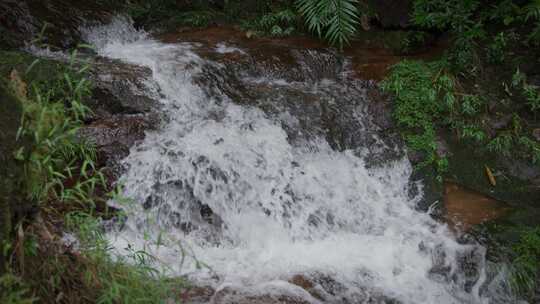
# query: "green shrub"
532,13
129,279
418,88
53,112
427,97
526,264
276,24
496,50
14,291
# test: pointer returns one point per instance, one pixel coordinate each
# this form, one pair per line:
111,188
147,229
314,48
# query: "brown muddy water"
466,208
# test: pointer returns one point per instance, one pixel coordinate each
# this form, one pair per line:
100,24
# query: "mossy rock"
468,167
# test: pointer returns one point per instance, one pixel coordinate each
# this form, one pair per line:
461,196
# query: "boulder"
22,21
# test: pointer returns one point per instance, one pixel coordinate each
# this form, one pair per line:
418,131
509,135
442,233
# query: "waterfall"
230,194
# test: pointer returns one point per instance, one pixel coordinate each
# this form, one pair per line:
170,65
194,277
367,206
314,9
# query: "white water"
367,235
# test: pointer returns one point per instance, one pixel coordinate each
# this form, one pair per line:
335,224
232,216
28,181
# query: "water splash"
222,184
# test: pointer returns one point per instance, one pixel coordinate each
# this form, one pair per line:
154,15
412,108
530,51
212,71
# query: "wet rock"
380,108
121,88
115,135
328,290
521,169
23,20
442,148
536,134
197,295
499,122
288,295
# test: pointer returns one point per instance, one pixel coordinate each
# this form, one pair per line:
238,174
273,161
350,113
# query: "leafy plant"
530,92
427,97
129,279
457,16
276,24
532,13
52,115
14,291
195,18
334,20
496,50
151,11
417,89
526,265
502,144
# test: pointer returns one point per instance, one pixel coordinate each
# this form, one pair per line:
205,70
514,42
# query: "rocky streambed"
276,165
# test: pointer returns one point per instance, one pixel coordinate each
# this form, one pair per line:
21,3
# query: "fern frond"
333,20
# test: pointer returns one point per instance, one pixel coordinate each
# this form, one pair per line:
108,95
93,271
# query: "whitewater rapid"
278,208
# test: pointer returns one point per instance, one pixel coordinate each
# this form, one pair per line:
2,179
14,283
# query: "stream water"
246,193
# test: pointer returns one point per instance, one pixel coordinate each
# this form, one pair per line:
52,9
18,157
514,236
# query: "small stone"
536,134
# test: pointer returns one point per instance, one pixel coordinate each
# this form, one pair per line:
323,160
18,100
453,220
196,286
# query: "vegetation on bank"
470,88
62,186
481,91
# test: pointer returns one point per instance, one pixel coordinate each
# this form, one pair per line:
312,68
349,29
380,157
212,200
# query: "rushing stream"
247,190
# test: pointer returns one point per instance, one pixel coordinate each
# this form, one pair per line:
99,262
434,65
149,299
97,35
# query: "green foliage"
278,23
13,291
151,11
334,20
417,88
530,92
505,12
52,115
130,279
532,13
457,16
526,265
428,97
195,18
496,50
412,40
441,14
502,144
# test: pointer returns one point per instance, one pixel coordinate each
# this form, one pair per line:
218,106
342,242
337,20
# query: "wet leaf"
490,176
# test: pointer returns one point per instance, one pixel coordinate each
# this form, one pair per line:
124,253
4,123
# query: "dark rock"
499,122
521,169
115,135
536,134
121,88
380,109
392,13
23,20
442,148
197,294
232,295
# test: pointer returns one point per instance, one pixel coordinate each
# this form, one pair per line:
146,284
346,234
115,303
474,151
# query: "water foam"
276,209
